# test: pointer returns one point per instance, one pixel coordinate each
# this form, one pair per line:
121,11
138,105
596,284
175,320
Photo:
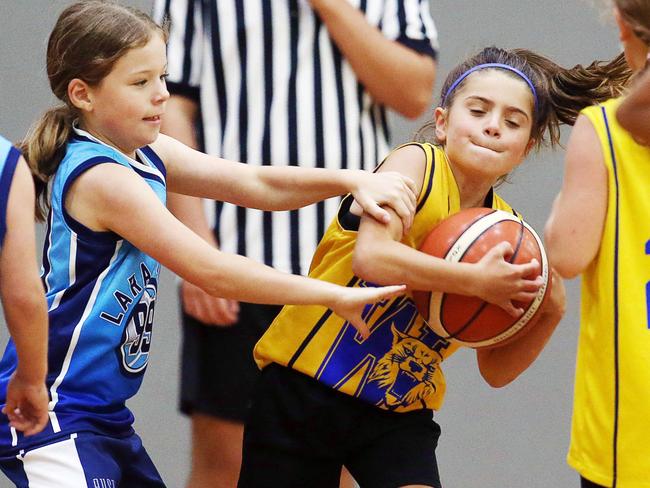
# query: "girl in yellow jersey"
330,395
607,177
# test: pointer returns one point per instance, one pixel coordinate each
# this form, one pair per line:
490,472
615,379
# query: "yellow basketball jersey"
398,366
610,434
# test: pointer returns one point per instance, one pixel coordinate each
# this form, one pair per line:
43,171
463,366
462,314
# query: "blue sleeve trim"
5,186
155,159
76,226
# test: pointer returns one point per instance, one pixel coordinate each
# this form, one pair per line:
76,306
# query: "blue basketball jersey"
101,294
9,156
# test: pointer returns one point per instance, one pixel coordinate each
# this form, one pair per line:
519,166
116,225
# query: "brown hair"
561,92
86,42
637,15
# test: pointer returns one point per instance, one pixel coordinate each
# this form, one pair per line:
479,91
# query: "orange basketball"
466,237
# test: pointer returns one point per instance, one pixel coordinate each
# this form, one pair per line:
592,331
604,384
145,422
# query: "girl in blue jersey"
22,296
104,171
328,397
607,177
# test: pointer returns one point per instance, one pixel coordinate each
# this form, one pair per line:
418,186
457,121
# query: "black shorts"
300,432
218,372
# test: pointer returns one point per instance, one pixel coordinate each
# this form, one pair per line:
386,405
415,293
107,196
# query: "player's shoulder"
412,160
407,156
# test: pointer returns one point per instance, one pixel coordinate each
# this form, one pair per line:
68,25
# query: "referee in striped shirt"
281,82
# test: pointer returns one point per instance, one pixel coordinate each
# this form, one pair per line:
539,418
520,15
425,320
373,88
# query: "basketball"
466,237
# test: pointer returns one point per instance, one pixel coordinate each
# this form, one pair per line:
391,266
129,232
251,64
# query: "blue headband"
491,65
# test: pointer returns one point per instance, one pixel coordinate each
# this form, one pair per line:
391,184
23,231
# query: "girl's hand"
26,405
350,303
220,312
499,282
385,188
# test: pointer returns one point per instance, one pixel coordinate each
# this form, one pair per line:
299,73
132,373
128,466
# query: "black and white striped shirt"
274,89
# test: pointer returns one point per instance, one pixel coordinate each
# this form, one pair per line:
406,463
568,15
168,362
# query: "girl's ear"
440,118
78,93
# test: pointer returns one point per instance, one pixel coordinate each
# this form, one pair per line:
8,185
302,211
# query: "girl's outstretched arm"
23,300
92,200
574,228
191,172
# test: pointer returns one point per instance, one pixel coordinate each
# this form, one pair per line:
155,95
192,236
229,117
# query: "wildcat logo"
136,338
406,372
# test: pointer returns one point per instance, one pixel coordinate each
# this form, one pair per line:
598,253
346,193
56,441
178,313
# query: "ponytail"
572,89
44,148
576,88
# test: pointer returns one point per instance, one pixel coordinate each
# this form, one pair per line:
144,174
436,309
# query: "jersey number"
137,333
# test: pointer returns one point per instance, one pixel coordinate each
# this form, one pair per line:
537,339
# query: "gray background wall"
514,437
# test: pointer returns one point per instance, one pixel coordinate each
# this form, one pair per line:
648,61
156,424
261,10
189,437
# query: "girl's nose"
162,95
492,128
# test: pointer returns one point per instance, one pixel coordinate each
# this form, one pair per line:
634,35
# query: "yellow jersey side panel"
399,366
611,425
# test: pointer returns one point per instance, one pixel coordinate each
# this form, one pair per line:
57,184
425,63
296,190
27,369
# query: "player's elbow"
415,97
216,286
498,377
24,300
361,267
416,102
364,261
494,368
563,258
416,105
568,270
212,278
499,381
567,264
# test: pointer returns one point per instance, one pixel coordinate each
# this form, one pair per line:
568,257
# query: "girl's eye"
140,82
476,111
164,76
513,124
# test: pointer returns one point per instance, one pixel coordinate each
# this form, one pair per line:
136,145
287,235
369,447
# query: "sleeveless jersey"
398,367
611,426
9,156
101,293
